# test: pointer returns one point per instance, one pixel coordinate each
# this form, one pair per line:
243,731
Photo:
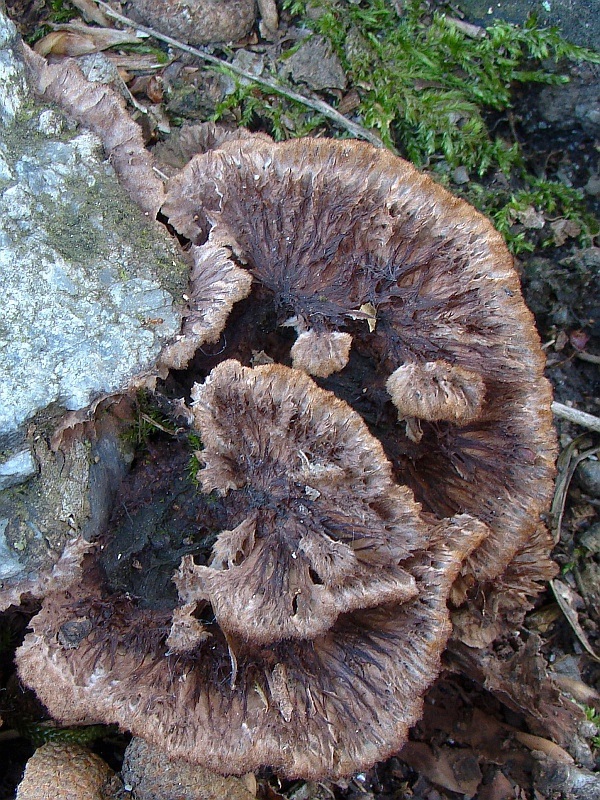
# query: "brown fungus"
99,108
349,240
308,642
308,639
321,354
216,283
320,526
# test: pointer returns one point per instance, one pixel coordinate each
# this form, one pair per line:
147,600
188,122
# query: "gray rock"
574,104
17,469
588,477
592,187
83,306
91,291
86,282
460,176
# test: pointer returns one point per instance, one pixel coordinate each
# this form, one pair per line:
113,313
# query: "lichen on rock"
91,292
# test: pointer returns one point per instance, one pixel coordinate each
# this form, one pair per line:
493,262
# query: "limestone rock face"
91,291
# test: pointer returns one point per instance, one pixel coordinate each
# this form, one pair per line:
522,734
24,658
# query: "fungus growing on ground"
306,640
321,354
413,296
309,640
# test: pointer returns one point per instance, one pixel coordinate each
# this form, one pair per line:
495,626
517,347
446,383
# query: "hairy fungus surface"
391,454
309,640
343,240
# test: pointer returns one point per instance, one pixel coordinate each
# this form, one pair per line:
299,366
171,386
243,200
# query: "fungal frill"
406,303
394,458
309,640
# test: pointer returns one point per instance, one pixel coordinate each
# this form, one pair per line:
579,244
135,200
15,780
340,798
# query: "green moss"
39,733
425,84
550,199
148,423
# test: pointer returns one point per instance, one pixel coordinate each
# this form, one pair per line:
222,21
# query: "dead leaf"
551,749
520,681
578,690
500,788
366,311
454,769
563,229
531,218
78,39
63,43
91,12
567,600
567,463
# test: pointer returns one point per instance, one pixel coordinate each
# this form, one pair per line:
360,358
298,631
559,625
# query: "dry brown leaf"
563,229
77,39
63,43
500,788
454,769
531,218
551,749
567,600
578,690
520,681
91,12
135,62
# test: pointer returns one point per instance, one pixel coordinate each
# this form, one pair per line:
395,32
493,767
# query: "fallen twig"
567,463
588,421
589,357
317,105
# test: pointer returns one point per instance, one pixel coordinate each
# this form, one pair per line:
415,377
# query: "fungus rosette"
397,455
308,642
411,294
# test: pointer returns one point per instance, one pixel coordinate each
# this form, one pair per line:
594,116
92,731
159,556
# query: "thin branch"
273,86
588,421
593,359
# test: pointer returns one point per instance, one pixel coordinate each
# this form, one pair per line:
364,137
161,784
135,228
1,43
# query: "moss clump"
433,89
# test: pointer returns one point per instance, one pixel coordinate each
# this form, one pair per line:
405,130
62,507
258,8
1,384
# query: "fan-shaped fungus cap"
64,771
332,228
216,283
320,525
328,596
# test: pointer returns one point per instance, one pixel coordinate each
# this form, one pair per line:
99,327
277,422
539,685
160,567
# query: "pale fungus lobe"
436,391
216,283
308,641
320,526
321,354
